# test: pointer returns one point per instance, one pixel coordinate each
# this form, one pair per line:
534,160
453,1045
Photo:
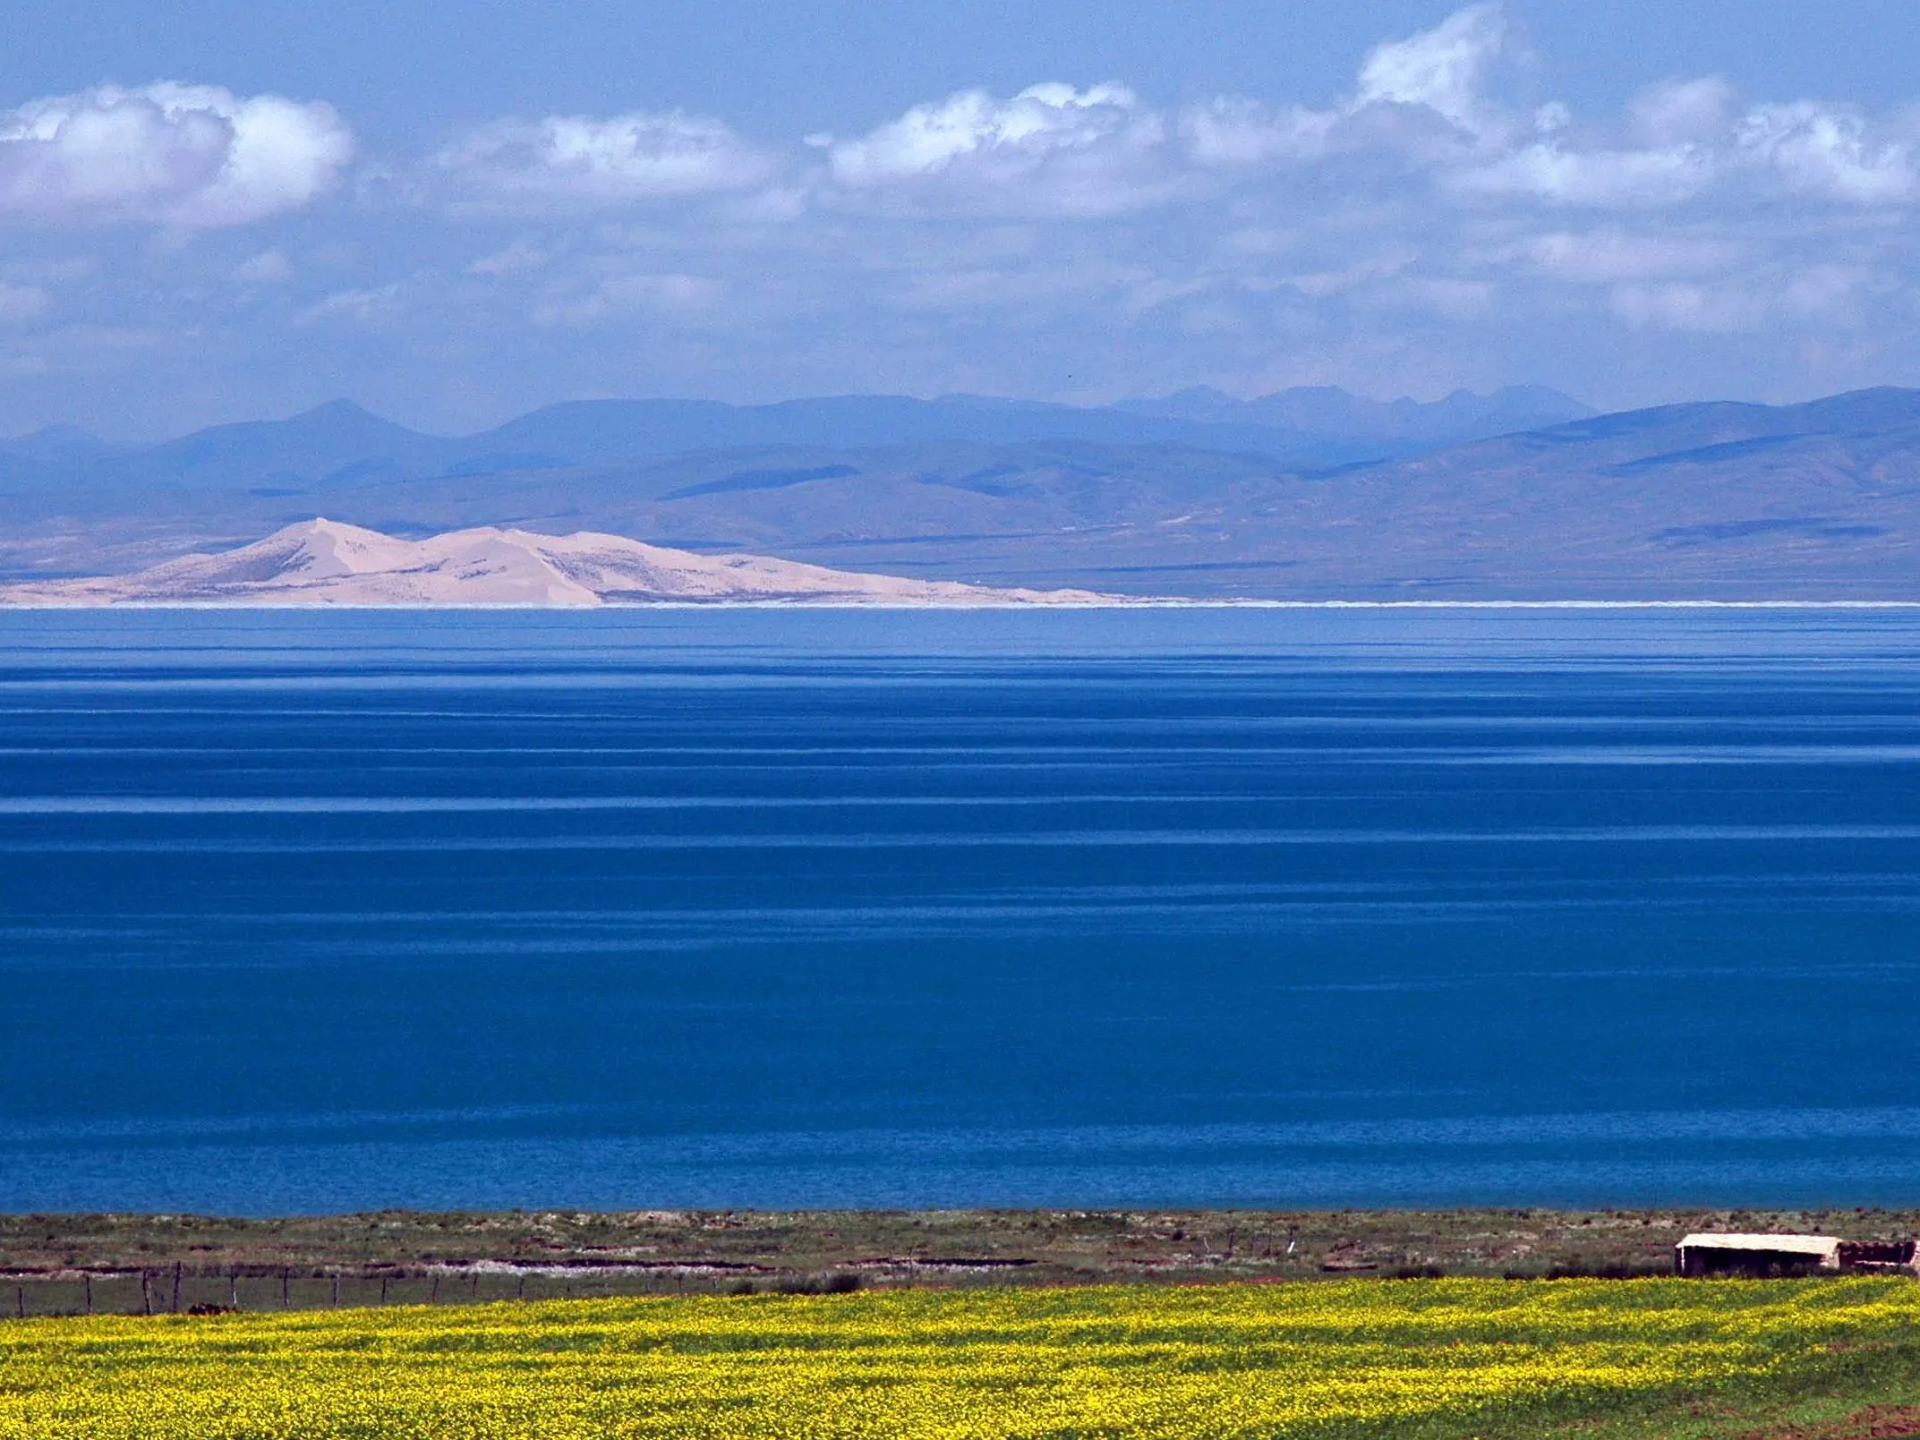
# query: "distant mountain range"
1304,494
340,443
322,562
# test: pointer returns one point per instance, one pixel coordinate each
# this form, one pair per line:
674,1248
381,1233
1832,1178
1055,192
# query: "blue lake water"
761,908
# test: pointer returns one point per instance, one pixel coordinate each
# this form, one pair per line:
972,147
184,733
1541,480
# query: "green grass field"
1434,1360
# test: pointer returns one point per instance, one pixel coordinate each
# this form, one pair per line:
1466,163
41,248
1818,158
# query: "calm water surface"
313,912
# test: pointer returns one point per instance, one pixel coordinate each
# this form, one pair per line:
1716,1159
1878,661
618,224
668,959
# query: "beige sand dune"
324,562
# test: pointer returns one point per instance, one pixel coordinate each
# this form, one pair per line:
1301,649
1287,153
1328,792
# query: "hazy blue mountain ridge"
1713,500
340,440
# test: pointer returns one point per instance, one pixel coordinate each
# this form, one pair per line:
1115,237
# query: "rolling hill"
322,562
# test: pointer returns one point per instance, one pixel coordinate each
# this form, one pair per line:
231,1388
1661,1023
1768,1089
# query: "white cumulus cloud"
1421,97
1231,130
1695,139
1049,149
190,155
1827,152
605,161
1683,112
1442,69
1598,177
1040,121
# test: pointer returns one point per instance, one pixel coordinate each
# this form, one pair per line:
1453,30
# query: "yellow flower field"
1195,1363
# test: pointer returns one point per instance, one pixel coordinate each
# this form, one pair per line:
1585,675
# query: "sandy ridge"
326,562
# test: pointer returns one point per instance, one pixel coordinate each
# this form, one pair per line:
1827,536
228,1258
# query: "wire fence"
184,1289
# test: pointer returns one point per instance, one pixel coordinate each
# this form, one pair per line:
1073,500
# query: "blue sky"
453,214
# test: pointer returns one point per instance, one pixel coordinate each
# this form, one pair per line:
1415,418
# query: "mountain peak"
336,407
321,528
344,415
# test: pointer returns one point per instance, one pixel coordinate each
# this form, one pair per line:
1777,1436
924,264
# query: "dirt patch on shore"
1876,1422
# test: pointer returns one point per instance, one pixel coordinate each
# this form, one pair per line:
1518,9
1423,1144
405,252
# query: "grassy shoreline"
134,1263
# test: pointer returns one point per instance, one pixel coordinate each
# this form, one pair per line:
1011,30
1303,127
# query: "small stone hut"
1789,1255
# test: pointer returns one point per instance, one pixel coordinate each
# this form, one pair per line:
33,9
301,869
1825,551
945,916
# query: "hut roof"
1772,1244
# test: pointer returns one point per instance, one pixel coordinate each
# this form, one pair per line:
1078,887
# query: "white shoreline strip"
1144,603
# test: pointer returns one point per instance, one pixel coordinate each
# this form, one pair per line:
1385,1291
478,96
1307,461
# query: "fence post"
336,1287
177,1268
233,1287
286,1286
89,1283
383,1289
146,1290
